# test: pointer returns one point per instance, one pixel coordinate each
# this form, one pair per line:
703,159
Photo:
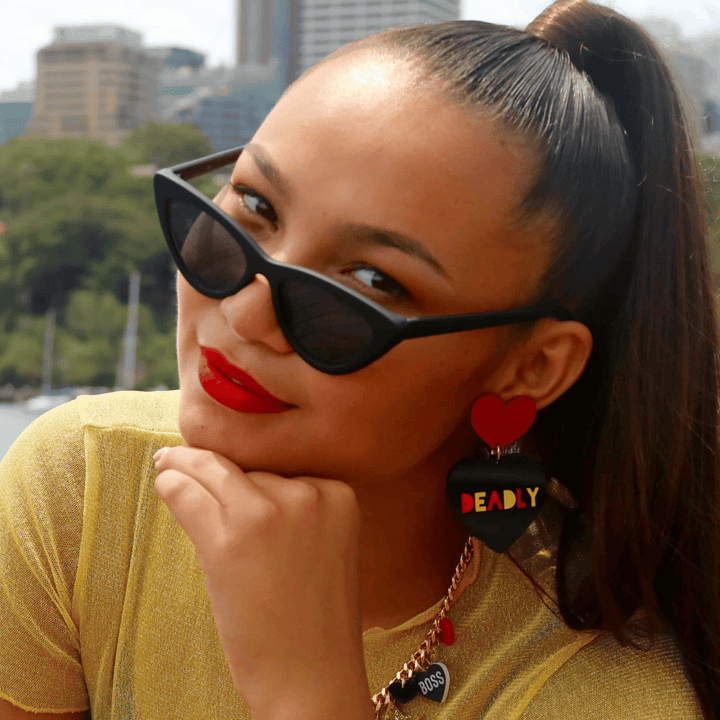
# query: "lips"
235,389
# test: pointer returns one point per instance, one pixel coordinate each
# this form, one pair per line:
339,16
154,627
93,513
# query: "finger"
216,503
220,477
326,510
194,508
332,497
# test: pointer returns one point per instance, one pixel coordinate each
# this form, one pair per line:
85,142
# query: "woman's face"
366,174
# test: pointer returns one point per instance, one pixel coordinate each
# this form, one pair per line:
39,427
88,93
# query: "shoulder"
63,426
55,449
607,679
153,412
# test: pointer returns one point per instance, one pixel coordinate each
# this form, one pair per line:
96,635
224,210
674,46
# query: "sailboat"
126,369
47,399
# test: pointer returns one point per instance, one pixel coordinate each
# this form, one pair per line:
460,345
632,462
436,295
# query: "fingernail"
158,455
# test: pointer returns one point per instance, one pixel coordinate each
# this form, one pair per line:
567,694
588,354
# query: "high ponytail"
653,486
637,438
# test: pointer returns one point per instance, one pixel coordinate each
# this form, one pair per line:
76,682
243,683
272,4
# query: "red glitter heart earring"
498,497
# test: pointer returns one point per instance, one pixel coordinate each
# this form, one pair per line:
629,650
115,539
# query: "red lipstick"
235,389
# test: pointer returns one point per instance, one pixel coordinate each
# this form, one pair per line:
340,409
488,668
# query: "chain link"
419,660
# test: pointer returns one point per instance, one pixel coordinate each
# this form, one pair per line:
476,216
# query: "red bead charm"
447,632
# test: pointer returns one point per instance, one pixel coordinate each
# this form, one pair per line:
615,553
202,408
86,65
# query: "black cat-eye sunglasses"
332,327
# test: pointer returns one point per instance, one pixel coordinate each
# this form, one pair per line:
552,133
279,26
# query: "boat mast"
126,376
50,317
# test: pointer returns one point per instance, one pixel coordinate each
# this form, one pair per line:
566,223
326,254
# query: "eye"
255,203
377,280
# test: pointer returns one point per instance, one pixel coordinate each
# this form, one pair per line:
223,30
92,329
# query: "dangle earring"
498,497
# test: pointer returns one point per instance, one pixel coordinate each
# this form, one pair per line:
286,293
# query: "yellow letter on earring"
508,499
532,492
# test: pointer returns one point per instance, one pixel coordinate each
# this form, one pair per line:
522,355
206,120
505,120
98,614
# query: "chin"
239,437
197,422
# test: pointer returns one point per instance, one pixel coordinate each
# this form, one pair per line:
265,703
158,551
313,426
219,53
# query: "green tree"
21,352
71,241
38,170
90,344
90,314
157,361
164,144
76,221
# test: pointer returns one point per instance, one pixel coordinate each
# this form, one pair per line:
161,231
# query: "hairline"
522,218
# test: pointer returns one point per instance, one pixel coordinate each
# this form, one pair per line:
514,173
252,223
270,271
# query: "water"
13,420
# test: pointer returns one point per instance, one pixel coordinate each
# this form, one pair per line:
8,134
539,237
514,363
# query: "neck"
410,545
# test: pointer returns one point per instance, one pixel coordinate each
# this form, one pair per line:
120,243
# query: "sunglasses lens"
211,255
323,324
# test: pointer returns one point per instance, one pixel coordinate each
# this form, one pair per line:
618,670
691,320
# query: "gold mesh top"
103,604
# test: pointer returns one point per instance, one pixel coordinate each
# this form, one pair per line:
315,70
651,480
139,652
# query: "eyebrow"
357,232
367,235
266,167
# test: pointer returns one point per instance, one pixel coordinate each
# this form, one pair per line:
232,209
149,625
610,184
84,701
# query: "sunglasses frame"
388,327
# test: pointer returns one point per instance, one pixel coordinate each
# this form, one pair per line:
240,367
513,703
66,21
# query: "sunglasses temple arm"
195,168
421,327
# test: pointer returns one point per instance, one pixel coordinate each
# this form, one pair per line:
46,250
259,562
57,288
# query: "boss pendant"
432,683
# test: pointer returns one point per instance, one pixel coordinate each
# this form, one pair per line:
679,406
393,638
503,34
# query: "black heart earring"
498,497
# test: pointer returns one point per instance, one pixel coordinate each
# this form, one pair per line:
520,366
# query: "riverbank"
11,394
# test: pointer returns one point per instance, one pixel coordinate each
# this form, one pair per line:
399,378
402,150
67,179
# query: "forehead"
373,107
367,134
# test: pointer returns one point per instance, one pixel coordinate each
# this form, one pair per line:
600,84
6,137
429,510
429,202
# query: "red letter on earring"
520,503
494,498
468,502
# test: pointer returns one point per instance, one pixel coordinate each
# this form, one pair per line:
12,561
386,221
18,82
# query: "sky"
208,25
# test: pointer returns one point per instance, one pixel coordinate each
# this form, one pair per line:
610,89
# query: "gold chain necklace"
418,661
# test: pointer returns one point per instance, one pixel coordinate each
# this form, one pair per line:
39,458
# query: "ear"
546,363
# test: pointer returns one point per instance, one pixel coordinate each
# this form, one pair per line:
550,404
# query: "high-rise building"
276,41
254,31
95,81
15,110
267,31
226,104
177,58
326,25
180,69
286,39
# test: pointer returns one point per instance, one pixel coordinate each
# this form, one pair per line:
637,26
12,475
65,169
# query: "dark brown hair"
636,439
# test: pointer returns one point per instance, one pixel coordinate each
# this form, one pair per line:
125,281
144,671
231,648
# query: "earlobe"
549,361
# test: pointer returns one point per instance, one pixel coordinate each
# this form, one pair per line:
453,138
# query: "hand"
280,558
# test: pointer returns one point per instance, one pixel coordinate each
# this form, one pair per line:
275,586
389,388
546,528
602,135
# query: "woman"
293,558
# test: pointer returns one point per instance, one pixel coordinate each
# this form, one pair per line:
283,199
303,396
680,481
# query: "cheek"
185,323
409,404
191,307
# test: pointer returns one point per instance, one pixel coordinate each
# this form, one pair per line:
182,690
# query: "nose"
251,315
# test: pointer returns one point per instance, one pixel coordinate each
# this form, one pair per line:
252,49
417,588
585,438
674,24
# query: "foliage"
57,246
164,144
76,221
21,352
157,364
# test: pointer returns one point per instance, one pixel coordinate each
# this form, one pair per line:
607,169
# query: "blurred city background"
89,112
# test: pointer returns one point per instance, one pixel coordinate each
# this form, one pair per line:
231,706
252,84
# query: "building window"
75,124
